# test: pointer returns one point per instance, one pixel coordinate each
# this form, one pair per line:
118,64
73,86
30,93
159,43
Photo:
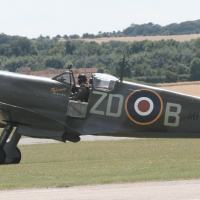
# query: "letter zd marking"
109,104
93,109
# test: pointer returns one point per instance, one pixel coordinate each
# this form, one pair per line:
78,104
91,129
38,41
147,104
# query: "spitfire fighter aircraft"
41,107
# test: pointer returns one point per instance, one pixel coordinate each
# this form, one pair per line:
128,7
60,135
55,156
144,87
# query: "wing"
20,116
32,124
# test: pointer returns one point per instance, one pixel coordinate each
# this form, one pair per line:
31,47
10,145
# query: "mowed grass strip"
102,162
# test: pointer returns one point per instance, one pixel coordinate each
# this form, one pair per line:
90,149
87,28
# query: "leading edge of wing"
21,116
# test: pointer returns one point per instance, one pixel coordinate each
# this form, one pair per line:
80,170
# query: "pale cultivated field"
180,38
191,88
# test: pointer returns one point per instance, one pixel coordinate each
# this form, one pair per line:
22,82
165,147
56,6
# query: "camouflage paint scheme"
38,107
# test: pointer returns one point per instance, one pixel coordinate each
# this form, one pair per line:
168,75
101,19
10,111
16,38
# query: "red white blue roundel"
144,106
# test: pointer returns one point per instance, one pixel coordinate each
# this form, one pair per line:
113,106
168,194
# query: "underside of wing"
33,124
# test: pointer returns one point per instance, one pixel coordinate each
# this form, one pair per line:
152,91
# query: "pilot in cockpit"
83,91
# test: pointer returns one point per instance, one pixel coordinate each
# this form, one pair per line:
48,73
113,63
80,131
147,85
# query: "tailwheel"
2,156
14,160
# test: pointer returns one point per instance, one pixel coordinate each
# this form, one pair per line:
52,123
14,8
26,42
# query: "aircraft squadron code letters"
171,118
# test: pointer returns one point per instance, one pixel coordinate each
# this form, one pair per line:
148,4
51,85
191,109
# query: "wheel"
18,159
15,160
2,156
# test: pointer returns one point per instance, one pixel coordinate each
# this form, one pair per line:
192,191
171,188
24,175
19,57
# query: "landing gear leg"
9,153
4,136
13,154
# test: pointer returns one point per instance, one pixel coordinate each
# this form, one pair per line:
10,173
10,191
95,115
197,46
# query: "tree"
54,62
75,36
5,50
59,48
65,37
139,70
195,69
171,77
197,43
127,69
13,64
69,47
21,46
58,36
85,35
136,47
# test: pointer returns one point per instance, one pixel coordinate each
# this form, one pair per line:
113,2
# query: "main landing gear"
9,152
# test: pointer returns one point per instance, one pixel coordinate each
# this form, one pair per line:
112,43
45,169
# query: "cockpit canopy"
66,77
104,82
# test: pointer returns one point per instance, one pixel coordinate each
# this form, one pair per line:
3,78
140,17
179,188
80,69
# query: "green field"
102,162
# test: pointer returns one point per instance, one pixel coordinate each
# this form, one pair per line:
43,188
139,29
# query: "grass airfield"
102,162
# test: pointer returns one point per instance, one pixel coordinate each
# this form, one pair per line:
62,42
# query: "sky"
32,18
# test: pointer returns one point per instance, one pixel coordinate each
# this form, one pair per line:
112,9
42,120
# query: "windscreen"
104,82
65,78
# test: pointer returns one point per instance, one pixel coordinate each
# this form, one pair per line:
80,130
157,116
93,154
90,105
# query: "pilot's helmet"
81,78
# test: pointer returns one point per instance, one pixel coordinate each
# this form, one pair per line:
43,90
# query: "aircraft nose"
6,86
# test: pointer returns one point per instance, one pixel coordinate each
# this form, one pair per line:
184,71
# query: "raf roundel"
144,106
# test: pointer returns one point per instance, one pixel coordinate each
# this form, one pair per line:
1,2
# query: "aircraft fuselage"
129,109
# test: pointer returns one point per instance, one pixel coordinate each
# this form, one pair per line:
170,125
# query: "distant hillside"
189,27
148,29
151,29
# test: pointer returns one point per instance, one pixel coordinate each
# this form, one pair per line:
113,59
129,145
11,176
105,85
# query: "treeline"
149,61
150,29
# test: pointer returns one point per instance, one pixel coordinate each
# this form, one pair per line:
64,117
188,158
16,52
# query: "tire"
15,160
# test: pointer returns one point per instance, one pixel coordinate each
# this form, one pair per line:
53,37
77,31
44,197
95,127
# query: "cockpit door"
75,109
